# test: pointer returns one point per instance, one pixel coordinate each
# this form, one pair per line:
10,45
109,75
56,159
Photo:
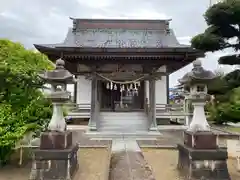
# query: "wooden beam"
125,50
148,65
123,56
112,72
125,60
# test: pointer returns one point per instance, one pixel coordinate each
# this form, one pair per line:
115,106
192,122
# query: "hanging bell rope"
121,82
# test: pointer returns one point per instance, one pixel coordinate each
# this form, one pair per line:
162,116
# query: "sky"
47,21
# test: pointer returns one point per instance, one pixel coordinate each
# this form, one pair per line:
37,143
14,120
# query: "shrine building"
122,69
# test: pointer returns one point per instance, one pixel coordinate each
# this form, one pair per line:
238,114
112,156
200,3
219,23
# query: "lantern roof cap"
197,74
58,75
60,64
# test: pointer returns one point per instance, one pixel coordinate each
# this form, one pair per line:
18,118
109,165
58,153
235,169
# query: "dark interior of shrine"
119,97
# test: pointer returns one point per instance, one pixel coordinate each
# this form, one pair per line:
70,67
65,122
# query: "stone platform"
210,164
54,164
200,157
56,158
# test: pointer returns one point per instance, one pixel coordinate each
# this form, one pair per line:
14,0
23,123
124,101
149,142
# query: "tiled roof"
120,34
133,24
120,38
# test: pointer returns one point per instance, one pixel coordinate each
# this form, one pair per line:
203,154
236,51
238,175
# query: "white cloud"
184,40
96,4
137,14
10,15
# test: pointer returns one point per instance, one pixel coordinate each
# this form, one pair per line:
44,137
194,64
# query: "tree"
223,32
223,20
23,107
226,111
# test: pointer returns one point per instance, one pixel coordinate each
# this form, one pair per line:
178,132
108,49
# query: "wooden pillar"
75,93
93,115
167,86
150,104
98,102
152,97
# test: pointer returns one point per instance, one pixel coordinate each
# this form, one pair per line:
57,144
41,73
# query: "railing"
28,141
82,106
170,110
170,107
163,107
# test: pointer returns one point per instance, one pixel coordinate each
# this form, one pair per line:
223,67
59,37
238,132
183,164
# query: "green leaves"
23,107
223,20
226,31
220,14
15,57
208,42
227,98
230,59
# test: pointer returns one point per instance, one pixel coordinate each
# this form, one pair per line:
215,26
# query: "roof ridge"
116,19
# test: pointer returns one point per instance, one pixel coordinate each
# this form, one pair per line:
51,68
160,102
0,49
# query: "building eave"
61,49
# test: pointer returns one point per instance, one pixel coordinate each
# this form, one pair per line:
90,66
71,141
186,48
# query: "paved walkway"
122,144
127,161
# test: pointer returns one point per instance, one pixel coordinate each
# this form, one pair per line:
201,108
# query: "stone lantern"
56,157
200,157
197,81
58,79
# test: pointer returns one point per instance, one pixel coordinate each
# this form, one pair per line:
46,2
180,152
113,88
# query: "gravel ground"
129,165
83,141
93,165
164,164
168,138
12,172
94,161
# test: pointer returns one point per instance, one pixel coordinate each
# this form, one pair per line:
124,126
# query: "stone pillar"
146,84
92,122
152,97
199,119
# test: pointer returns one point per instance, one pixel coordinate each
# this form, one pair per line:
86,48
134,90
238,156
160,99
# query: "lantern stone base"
56,140
199,157
200,140
54,164
57,160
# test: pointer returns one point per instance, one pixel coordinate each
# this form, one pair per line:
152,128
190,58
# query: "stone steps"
108,135
123,121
